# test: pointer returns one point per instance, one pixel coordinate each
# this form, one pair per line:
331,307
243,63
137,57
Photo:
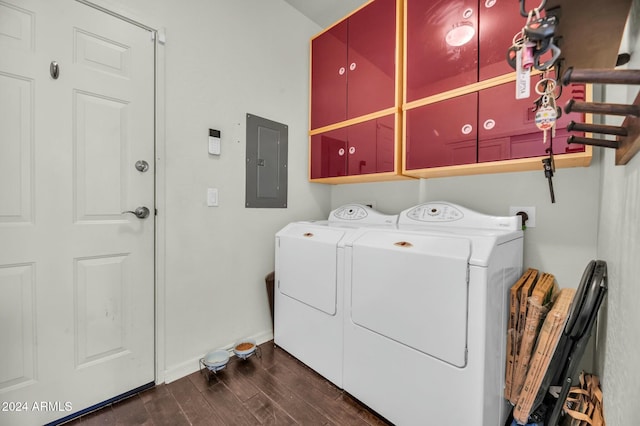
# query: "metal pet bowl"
216,360
244,348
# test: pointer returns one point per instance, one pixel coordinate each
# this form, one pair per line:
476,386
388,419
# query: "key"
547,113
546,116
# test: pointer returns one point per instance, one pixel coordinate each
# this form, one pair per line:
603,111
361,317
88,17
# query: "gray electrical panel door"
266,172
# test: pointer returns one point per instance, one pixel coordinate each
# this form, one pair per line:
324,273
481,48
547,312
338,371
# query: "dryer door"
307,265
413,289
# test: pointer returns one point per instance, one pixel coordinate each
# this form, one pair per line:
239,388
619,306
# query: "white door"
76,275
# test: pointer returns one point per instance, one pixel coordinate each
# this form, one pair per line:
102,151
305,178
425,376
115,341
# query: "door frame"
158,34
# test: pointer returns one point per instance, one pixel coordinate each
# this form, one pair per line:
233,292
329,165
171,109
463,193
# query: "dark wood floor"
269,388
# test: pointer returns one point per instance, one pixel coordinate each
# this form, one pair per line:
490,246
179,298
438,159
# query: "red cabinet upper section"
371,76
454,43
329,76
353,65
500,20
442,46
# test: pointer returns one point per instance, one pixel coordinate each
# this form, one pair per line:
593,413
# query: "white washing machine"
309,286
426,314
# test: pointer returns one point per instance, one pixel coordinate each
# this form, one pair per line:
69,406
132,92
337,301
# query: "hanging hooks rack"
627,142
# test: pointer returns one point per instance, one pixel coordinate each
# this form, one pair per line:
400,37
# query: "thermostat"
214,142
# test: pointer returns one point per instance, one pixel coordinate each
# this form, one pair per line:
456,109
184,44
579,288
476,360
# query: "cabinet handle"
352,66
489,3
342,70
341,152
352,150
489,124
466,129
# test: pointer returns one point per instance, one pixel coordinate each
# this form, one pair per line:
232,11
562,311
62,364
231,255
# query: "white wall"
619,245
224,59
564,238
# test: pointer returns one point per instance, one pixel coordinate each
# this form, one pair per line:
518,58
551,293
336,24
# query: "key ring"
549,86
518,39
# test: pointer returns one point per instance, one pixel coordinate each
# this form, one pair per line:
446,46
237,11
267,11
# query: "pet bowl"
216,360
244,348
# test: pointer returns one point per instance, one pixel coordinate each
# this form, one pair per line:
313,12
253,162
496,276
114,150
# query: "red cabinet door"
372,146
499,22
442,134
442,46
507,129
371,70
362,148
353,66
329,76
329,154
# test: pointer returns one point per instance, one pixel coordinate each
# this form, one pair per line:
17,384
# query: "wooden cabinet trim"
352,121
581,159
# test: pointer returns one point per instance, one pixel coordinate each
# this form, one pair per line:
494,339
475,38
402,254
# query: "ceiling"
325,12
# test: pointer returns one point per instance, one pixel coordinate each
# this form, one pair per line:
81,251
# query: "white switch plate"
529,210
212,197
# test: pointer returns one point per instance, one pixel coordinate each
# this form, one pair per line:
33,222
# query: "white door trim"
160,198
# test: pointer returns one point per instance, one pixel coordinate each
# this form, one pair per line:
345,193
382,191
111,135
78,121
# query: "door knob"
142,166
140,212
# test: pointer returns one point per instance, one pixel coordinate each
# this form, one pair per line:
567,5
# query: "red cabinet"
362,148
459,115
353,65
507,129
442,134
490,125
454,43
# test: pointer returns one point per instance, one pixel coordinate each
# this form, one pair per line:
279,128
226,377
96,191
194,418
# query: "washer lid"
308,264
413,289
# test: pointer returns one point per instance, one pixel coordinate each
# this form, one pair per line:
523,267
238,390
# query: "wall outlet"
529,210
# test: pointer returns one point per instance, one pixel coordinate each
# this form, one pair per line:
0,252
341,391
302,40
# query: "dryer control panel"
448,214
435,212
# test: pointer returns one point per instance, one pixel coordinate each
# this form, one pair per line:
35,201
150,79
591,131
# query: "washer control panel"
360,214
435,212
352,212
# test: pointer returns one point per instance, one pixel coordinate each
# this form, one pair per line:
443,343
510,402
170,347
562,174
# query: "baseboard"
185,368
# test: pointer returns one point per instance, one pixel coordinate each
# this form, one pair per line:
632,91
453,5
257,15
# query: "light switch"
212,197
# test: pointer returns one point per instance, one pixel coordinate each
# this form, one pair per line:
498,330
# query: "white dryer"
309,281
426,313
